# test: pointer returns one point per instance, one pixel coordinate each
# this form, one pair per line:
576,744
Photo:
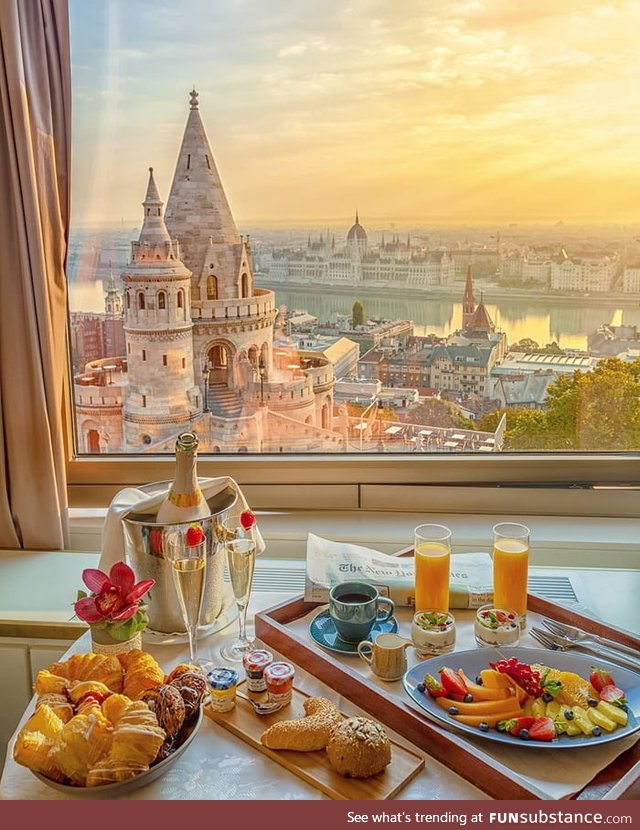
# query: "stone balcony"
261,304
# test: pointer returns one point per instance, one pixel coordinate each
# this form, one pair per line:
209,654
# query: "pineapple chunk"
582,719
538,708
571,726
602,720
614,713
552,709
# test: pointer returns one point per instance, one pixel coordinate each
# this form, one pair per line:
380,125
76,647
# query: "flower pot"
102,643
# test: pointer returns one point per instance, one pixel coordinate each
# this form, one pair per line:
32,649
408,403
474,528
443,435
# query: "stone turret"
158,331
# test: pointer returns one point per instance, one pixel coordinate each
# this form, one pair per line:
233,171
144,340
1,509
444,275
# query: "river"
568,324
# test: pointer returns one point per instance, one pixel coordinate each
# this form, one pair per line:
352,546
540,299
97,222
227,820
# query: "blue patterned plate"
473,661
323,632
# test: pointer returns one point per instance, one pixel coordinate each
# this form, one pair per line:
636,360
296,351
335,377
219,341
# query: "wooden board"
477,767
314,767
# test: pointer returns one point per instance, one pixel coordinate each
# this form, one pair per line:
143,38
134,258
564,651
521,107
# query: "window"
550,369
164,360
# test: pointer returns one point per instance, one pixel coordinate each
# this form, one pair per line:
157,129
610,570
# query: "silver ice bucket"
144,545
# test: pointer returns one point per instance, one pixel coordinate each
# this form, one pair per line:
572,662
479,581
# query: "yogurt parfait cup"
433,632
496,627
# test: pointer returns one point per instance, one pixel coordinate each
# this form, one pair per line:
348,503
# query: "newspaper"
329,563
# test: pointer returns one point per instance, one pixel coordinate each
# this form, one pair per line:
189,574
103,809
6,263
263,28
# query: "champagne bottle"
184,502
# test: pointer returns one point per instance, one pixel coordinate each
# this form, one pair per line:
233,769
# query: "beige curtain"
35,120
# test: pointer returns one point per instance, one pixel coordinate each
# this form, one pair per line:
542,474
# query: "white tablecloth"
218,765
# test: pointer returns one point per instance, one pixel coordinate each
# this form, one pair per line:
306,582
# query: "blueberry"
524,734
453,710
568,713
479,680
547,697
513,625
592,701
596,731
468,698
624,707
484,727
421,688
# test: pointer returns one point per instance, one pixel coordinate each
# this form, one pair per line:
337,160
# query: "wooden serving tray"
272,628
314,767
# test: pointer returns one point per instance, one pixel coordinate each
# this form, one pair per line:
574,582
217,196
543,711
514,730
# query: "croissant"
305,734
58,704
83,741
45,721
137,739
33,750
114,707
141,673
100,667
47,683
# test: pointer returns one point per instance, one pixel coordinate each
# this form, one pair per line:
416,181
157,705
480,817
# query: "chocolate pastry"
169,708
192,686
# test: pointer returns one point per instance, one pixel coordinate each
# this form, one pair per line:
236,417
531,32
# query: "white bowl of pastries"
104,724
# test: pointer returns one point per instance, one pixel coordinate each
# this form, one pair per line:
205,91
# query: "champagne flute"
241,557
188,563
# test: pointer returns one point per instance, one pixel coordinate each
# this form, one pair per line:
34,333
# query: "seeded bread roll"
359,748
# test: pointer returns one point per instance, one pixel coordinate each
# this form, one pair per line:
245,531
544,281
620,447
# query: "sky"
415,111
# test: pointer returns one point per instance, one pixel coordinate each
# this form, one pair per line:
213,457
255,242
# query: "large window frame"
595,484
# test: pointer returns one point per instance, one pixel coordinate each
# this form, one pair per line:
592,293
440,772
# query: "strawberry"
155,540
612,694
515,725
433,686
599,678
247,519
542,729
195,535
452,682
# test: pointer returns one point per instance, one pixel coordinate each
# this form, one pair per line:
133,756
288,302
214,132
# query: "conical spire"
357,219
468,302
154,229
197,207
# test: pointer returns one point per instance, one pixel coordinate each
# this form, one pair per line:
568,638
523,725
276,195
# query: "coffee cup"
355,608
386,655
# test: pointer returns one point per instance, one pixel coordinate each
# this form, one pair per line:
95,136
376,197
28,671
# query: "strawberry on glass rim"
247,519
194,535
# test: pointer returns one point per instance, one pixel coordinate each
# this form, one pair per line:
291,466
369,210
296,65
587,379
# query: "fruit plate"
474,660
186,736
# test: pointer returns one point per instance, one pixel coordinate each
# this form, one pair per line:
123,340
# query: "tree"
586,411
357,314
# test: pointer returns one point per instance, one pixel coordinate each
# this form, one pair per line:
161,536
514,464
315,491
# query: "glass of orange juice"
511,568
432,551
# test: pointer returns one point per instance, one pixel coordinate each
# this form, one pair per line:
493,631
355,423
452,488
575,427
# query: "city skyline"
427,112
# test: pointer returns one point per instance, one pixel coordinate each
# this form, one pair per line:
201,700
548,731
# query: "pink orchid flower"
114,597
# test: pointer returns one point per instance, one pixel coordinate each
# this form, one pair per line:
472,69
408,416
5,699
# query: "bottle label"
185,499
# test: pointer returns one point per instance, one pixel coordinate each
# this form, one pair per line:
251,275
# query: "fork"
557,643
580,636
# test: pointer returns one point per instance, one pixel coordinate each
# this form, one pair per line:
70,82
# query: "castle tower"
158,332
468,303
113,298
233,321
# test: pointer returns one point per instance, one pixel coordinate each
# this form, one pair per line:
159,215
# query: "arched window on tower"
162,300
212,288
245,285
181,299
141,300
128,300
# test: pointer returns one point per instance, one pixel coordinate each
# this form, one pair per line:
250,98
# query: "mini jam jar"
496,627
433,632
279,680
255,662
222,688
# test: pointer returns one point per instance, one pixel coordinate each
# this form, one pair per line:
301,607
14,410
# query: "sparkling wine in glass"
241,558
189,570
